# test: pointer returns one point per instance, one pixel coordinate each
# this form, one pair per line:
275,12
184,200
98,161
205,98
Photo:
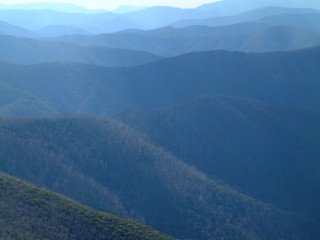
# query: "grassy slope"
28,212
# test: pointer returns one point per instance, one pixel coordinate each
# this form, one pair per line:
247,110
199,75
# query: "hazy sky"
110,4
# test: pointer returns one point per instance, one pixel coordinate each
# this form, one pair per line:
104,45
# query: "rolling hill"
28,212
106,165
289,78
30,51
9,29
60,30
17,103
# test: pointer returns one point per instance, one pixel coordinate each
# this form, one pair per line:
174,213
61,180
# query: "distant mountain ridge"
96,23
63,7
231,7
251,15
93,23
79,20
127,8
282,32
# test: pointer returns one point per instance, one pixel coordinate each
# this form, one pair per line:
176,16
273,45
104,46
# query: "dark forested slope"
62,88
269,152
106,165
28,212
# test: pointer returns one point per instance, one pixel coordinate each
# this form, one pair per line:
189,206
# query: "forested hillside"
237,140
28,212
105,165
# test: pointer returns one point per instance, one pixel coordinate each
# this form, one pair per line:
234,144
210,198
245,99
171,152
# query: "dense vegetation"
237,140
28,212
105,165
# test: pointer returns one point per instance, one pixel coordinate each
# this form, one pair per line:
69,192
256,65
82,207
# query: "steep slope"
106,165
29,51
290,78
28,212
268,152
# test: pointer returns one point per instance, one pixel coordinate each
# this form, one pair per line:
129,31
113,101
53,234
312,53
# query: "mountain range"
260,30
248,16
97,21
202,123
282,32
203,152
